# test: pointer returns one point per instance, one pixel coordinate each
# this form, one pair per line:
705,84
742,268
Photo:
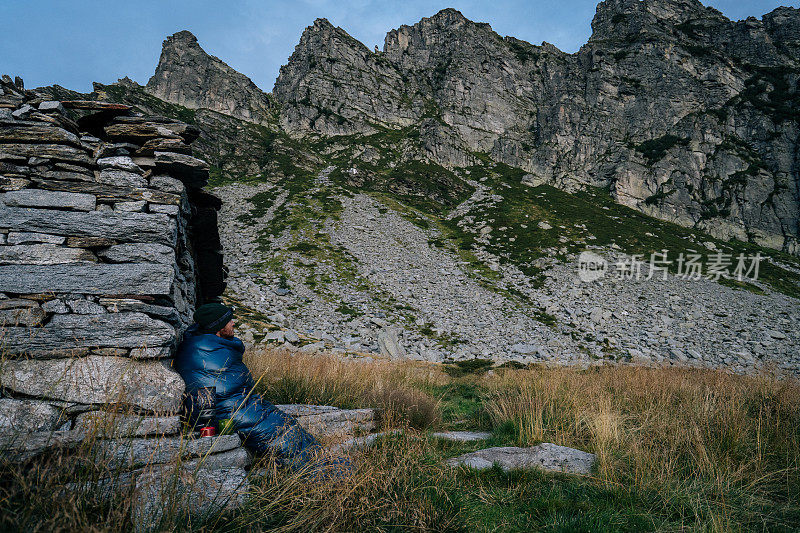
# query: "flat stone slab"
65,333
49,151
27,416
96,379
115,425
37,133
301,409
44,254
141,252
462,436
200,492
119,226
365,441
328,421
51,199
134,453
16,446
546,456
87,278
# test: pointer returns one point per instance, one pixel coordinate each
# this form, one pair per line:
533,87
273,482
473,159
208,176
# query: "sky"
75,42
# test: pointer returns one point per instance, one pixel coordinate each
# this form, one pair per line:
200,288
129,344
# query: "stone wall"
107,243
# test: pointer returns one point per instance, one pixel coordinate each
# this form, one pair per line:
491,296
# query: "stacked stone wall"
107,243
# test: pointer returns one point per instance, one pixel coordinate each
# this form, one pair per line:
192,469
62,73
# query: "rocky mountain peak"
618,18
186,75
181,37
447,17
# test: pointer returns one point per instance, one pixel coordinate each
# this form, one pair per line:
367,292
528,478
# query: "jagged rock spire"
188,76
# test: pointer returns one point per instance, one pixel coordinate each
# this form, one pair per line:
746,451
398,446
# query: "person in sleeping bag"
209,359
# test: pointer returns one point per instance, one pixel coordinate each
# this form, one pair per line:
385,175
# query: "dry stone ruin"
107,243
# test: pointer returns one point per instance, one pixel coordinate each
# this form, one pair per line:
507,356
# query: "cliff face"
188,76
680,112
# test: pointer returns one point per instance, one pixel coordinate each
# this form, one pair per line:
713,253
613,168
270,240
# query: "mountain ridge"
676,110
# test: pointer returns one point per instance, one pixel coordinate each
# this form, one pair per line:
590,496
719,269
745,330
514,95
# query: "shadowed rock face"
682,113
188,76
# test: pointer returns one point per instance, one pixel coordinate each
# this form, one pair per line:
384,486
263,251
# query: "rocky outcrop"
188,76
680,112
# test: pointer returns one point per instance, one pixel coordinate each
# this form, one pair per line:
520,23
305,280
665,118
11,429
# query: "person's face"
227,331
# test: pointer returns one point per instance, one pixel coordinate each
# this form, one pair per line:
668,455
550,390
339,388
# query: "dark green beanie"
212,317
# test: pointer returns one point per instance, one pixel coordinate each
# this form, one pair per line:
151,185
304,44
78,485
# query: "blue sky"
75,42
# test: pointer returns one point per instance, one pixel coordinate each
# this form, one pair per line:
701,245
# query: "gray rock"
57,152
339,422
121,162
107,424
85,307
276,336
43,254
17,303
22,112
55,306
235,458
123,330
186,75
20,446
167,184
171,210
27,415
389,344
192,170
109,192
137,452
136,206
56,199
549,457
206,491
364,441
313,347
462,436
66,332
102,279
279,319
96,380
126,227
156,352
139,253
291,336
121,178
119,305
523,348
52,106
16,237
32,316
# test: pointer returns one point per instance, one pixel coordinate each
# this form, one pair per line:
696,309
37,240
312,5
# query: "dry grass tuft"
388,488
393,386
662,427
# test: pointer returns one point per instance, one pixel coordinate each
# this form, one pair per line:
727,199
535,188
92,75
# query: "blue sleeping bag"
206,360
